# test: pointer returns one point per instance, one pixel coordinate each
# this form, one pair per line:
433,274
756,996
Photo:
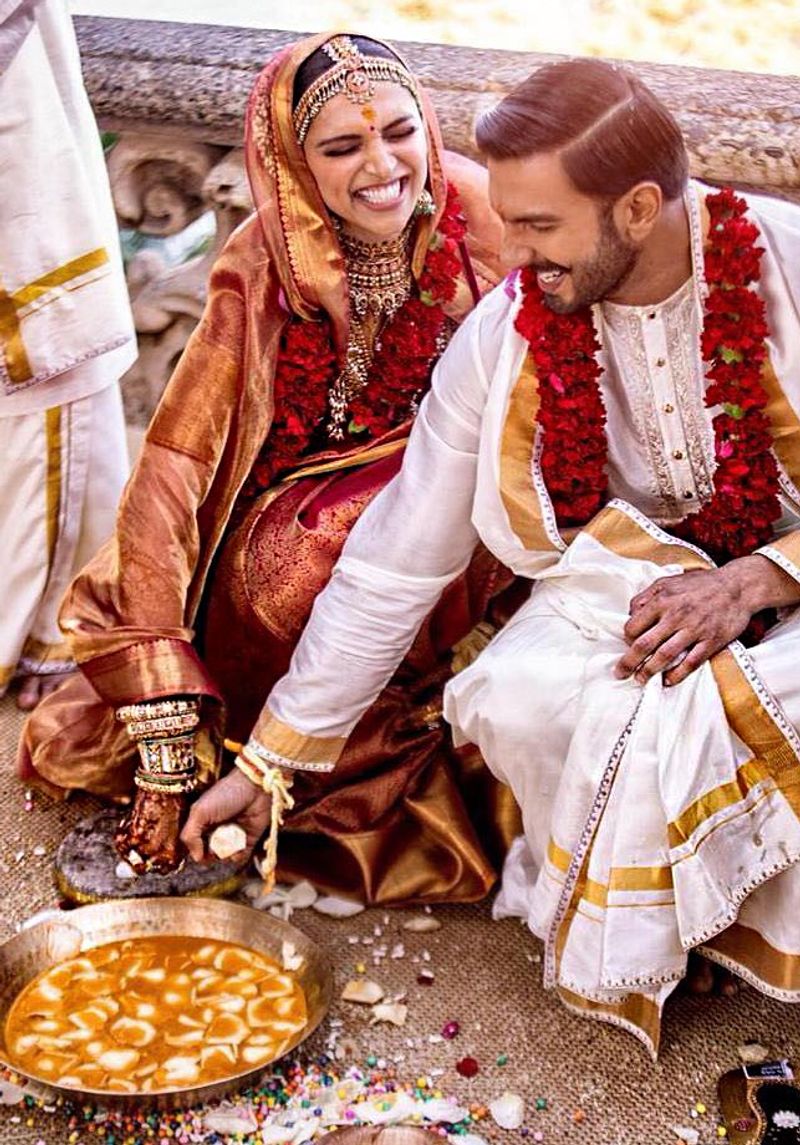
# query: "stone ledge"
194,79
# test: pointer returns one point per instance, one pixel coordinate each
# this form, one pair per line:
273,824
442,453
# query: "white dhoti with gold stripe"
650,826
61,476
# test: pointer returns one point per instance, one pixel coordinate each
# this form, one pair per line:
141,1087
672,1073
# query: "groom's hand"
679,622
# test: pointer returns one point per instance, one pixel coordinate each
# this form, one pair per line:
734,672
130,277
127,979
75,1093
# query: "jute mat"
487,976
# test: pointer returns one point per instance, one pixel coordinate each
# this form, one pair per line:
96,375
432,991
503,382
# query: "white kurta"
607,773
66,333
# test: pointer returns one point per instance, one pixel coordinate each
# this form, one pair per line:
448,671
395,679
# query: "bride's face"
370,160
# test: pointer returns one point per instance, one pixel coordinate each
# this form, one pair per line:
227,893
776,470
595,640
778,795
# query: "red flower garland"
571,411
740,514
400,370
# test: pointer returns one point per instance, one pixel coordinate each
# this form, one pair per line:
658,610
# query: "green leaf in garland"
355,428
436,241
734,411
730,356
427,298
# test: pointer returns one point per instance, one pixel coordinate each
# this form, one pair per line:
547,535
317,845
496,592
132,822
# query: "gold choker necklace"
379,282
378,274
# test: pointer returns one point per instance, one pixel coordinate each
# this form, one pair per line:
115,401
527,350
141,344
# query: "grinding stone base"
85,869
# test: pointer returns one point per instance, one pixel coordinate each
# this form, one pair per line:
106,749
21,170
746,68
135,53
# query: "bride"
287,413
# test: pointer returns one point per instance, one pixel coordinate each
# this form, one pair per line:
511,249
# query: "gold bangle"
147,782
163,727
156,709
167,756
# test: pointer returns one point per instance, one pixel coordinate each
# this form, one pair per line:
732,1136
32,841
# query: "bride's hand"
148,838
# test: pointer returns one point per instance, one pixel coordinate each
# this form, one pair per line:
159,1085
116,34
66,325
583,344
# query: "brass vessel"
55,940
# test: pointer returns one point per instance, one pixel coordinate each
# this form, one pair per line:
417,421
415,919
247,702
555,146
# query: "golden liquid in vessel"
146,1015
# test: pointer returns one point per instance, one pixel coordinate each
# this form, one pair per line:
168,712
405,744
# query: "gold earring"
425,204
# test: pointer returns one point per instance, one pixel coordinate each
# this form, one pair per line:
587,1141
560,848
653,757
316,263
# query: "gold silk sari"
183,599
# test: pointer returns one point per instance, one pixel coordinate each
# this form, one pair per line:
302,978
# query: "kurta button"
661,362
688,494
677,454
651,315
669,408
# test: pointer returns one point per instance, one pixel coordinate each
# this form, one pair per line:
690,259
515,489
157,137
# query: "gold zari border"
17,363
282,740
352,461
784,423
778,969
788,545
621,879
621,534
53,479
635,1010
517,490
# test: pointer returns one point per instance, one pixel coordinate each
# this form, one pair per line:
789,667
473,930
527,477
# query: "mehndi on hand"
164,733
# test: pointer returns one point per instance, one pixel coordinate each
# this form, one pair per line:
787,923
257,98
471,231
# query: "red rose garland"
740,514
571,411
400,370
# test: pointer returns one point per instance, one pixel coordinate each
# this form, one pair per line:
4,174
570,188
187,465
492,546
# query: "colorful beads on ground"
467,1067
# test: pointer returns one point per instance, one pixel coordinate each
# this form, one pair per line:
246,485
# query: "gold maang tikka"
352,74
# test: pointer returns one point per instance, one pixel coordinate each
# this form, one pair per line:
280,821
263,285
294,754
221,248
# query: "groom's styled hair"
609,129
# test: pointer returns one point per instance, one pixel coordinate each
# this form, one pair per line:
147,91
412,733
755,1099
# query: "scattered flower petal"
231,1119
421,923
687,1136
508,1110
393,1012
290,959
10,1094
362,990
303,895
443,1109
387,1108
272,1134
337,907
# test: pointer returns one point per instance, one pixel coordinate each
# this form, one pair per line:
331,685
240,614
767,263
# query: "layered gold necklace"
380,282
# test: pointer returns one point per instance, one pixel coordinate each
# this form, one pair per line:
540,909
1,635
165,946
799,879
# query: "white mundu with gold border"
656,820
66,332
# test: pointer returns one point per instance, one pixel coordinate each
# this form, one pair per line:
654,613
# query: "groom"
617,422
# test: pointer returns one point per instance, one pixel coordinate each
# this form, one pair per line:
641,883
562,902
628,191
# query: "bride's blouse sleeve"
414,538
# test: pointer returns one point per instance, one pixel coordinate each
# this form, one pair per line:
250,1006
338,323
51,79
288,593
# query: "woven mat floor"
487,977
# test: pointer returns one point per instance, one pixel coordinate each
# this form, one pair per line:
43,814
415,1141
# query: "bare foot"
704,977
35,688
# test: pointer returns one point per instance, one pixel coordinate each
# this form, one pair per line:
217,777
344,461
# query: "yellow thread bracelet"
274,783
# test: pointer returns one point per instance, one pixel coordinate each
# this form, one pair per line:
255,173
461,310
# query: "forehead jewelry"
353,75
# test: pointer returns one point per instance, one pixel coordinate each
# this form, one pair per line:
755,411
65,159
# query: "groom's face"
569,238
